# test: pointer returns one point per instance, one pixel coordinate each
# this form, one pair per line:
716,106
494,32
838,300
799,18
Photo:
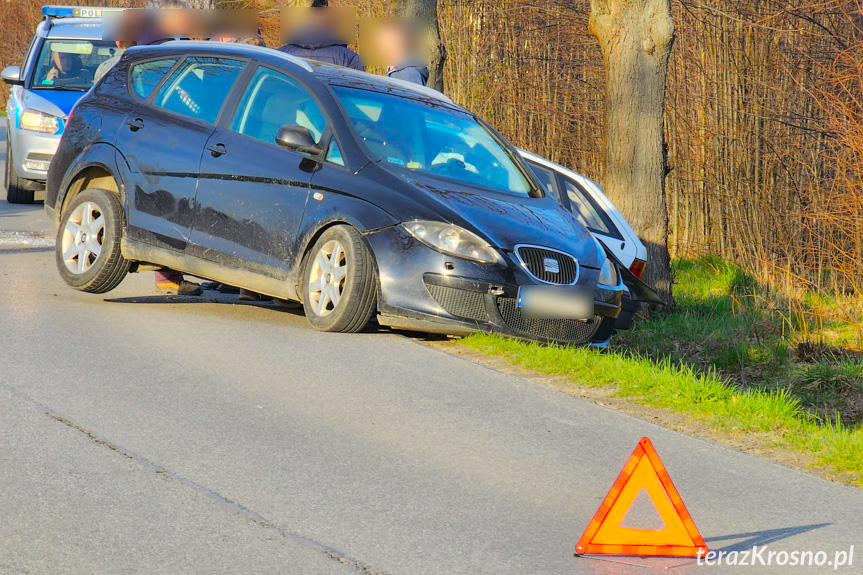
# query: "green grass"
727,357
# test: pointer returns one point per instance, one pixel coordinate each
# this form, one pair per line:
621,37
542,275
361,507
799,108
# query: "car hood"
507,221
55,102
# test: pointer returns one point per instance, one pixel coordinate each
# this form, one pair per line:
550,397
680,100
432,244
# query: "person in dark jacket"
410,72
318,40
394,42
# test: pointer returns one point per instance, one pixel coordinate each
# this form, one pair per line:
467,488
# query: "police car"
58,69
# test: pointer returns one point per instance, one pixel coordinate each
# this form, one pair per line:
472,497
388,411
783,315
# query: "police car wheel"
339,285
88,242
15,192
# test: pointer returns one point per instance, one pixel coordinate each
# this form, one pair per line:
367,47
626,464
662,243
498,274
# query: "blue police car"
58,69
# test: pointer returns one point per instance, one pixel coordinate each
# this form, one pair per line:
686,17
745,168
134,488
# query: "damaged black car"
360,196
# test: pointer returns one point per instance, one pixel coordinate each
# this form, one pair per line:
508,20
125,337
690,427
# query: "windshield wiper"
66,88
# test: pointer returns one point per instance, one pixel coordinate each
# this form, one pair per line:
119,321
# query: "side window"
334,154
584,210
273,100
145,76
199,87
546,178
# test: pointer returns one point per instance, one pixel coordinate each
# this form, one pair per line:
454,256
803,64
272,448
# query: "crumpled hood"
55,102
510,221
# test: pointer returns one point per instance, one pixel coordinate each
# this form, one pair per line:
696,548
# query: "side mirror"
12,75
297,138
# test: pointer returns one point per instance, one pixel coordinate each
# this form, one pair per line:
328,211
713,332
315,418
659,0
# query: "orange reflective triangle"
644,471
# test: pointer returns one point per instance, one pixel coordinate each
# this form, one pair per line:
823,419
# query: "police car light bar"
76,11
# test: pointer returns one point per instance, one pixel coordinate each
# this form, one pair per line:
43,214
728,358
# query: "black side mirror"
297,138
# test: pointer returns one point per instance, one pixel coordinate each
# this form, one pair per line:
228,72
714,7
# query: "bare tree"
636,37
427,10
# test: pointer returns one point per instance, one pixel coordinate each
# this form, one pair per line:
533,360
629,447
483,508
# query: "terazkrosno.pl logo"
761,555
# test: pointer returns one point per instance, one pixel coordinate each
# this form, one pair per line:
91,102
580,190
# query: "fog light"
37,162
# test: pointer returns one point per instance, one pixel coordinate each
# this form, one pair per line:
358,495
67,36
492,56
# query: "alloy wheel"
82,237
328,278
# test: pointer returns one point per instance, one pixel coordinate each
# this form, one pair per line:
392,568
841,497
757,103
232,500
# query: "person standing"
106,66
318,40
395,46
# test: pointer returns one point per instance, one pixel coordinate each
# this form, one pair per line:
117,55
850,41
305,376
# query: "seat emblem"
551,265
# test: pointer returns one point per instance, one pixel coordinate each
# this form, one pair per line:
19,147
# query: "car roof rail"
256,49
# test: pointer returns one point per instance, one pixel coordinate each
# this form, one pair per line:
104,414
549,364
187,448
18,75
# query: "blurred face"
392,45
62,61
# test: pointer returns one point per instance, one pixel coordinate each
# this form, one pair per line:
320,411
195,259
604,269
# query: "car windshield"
70,64
413,136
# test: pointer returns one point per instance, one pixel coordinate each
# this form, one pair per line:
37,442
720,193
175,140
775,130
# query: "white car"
586,200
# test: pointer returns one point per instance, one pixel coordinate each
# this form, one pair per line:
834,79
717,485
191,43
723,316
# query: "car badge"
551,265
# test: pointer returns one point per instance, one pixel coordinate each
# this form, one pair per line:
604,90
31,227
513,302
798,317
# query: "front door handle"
135,124
217,150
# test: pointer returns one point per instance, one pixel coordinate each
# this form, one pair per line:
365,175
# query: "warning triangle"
643,474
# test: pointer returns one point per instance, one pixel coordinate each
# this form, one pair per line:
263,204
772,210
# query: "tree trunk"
636,37
427,10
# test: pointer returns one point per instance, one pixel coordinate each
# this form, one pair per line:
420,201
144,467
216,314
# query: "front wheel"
88,243
339,285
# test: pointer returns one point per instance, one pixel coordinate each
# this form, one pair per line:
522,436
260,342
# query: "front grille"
459,302
566,330
565,272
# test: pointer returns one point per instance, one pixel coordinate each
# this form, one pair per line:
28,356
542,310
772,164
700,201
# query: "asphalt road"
148,434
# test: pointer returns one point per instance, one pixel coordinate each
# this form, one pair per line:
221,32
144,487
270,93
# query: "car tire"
88,242
15,191
339,282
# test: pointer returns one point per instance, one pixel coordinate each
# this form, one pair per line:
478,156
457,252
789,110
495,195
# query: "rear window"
588,213
144,77
546,178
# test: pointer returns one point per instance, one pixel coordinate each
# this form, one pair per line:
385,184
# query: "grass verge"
727,358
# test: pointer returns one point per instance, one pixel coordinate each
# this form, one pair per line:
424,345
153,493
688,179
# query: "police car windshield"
70,64
412,136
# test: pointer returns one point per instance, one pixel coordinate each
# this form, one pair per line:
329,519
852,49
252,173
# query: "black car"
357,195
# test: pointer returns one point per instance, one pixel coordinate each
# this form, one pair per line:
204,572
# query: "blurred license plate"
541,302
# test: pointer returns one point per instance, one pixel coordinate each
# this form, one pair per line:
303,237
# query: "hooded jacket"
320,45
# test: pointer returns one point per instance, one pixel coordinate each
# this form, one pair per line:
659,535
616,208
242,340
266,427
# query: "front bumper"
33,151
424,290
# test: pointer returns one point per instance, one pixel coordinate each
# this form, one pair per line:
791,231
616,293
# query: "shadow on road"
761,538
4,251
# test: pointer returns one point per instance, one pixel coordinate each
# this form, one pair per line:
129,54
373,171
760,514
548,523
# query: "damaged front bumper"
424,290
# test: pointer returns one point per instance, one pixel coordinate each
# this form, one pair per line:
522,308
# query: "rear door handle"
217,150
135,124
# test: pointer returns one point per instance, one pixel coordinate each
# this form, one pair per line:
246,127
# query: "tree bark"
427,10
636,37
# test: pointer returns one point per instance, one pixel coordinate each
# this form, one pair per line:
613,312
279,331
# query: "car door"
252,193
162,140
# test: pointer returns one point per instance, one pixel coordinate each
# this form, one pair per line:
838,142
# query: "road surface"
148,434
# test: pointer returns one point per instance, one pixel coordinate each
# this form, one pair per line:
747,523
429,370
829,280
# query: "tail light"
637,268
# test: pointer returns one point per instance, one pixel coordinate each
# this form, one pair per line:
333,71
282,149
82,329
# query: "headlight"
608,274
453,240
36,121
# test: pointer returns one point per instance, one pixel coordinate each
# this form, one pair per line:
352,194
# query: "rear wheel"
88,243
15,192
339,286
